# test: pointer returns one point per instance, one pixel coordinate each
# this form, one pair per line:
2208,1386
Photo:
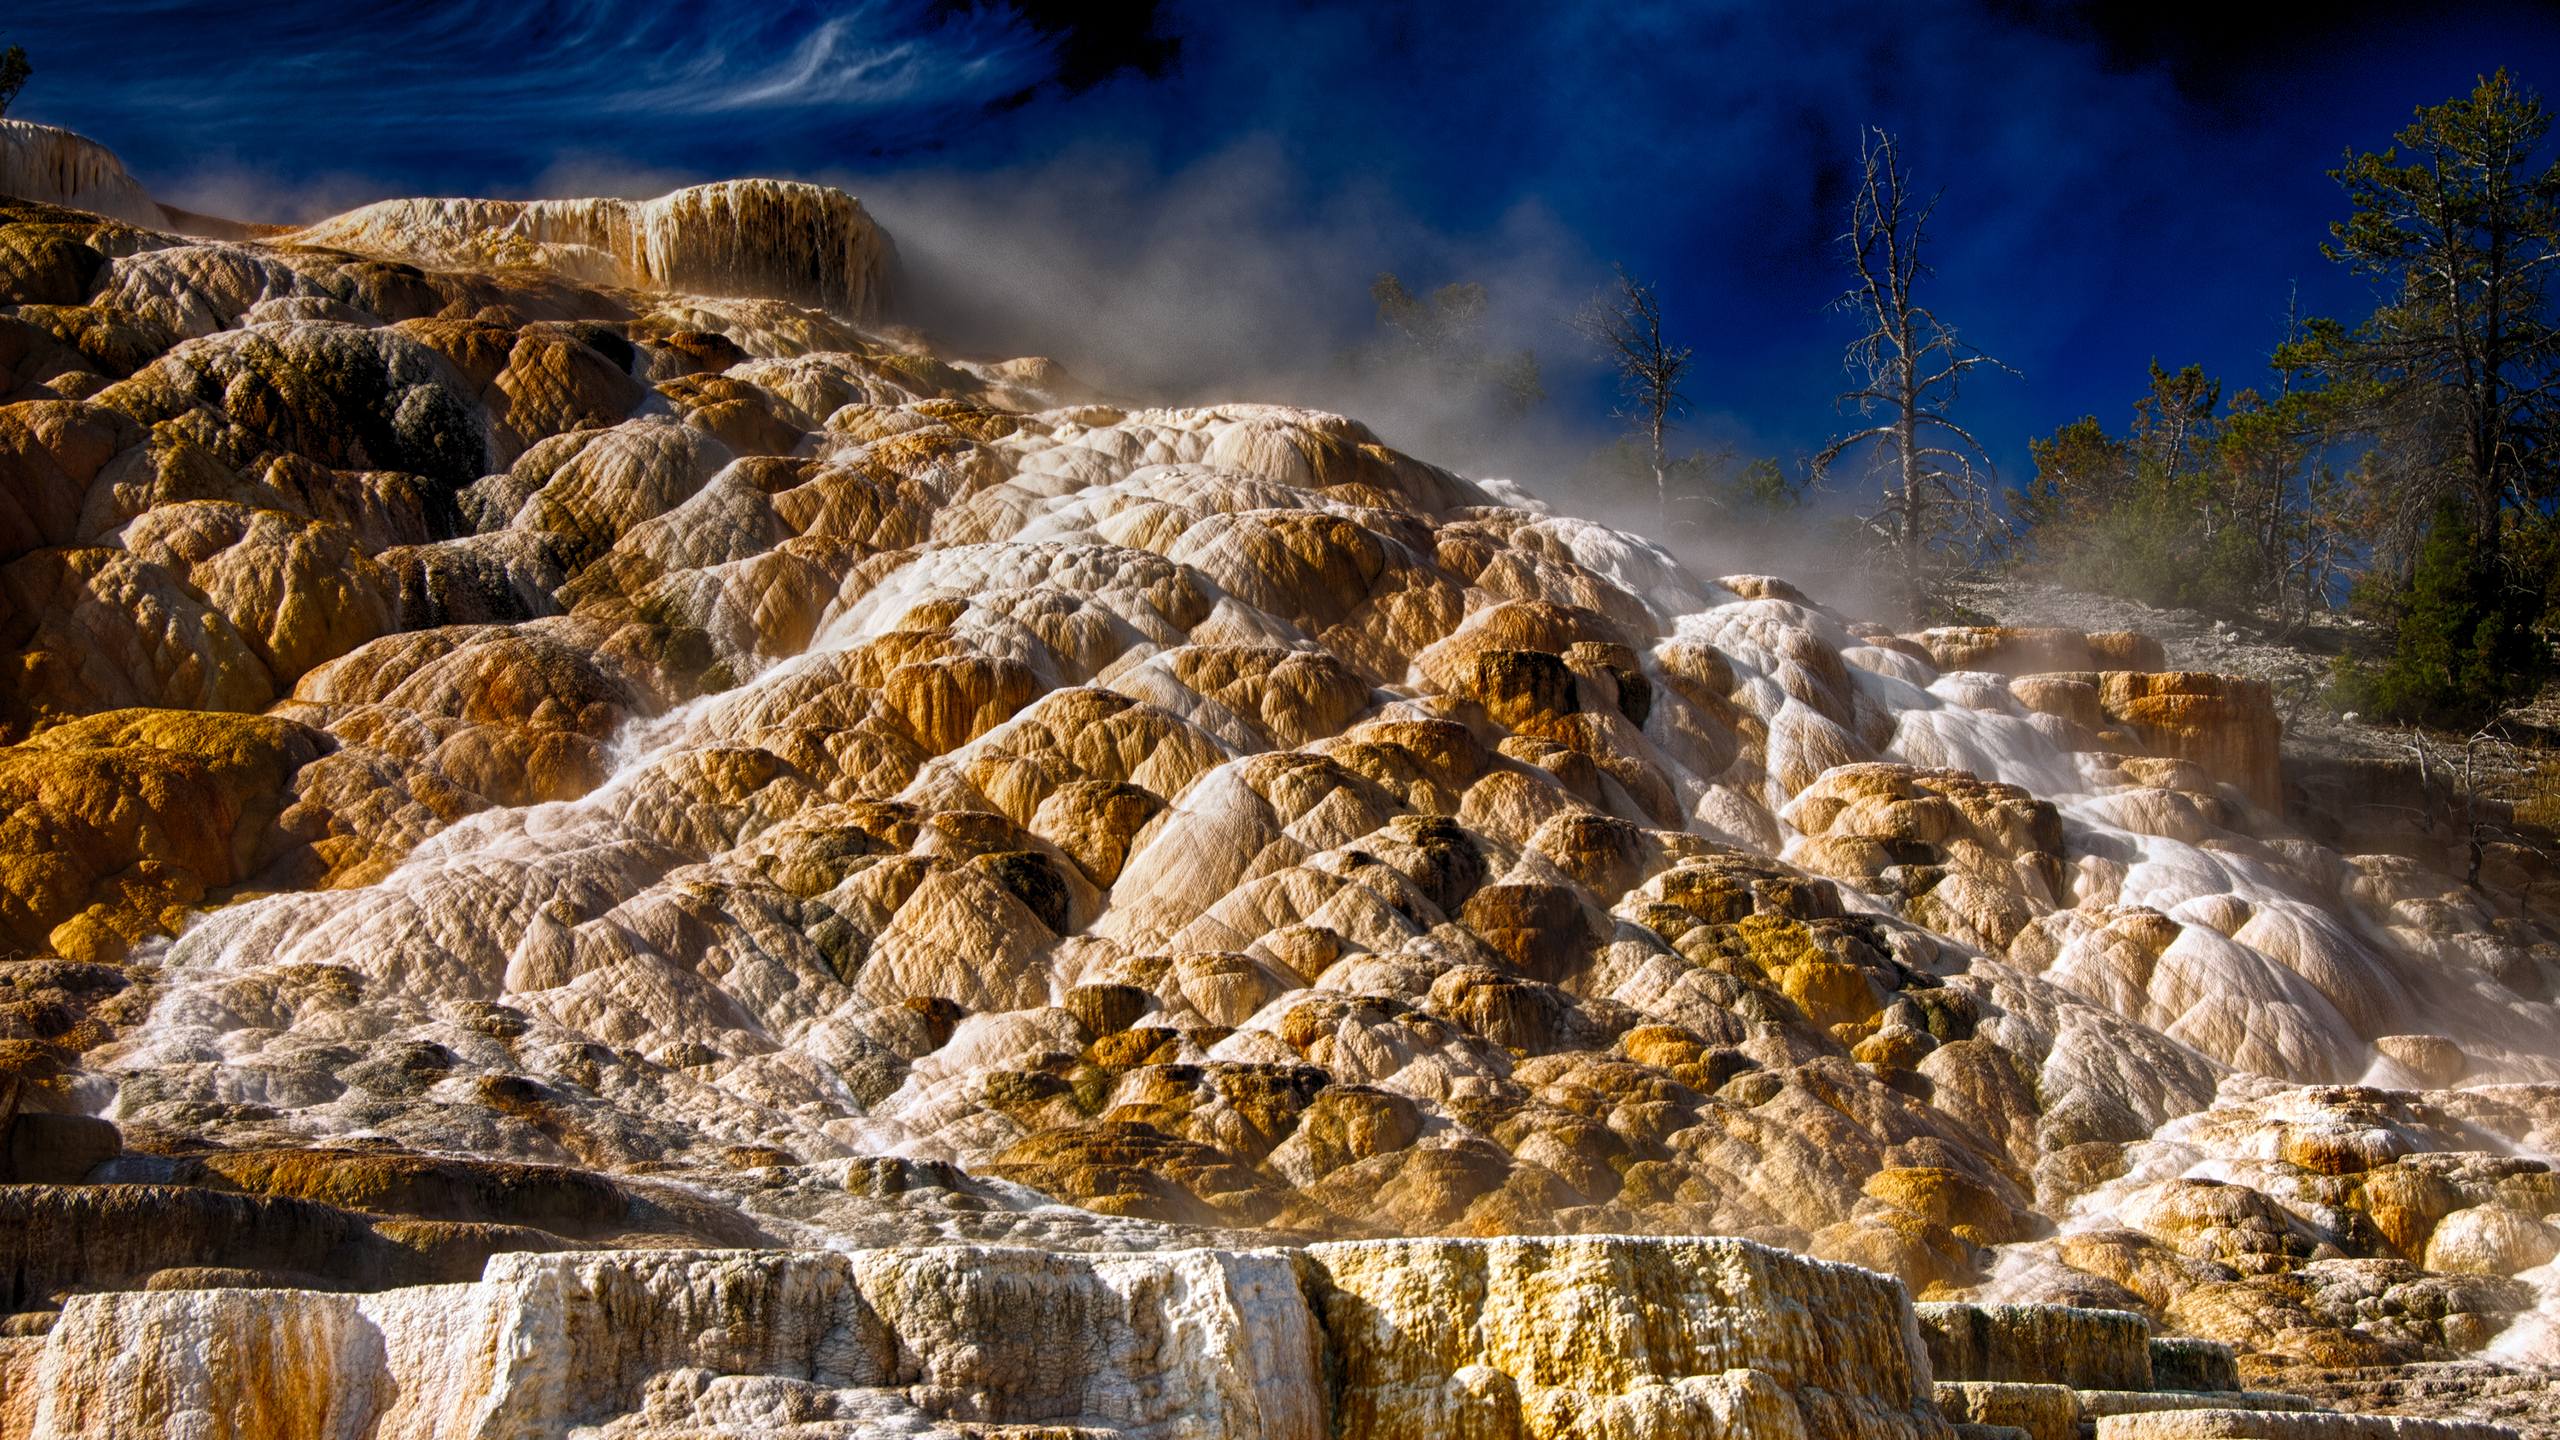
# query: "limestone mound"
769,239
1528,1338
492,694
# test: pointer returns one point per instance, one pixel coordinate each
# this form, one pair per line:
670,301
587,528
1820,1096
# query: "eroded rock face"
114,826
2325,1228
1612,1337
478,708
1513,1338
770,239
2084,1349
58,167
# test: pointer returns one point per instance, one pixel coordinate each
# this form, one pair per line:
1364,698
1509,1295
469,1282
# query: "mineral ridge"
594,841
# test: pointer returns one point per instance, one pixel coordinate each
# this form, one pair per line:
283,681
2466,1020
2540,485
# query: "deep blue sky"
1204,189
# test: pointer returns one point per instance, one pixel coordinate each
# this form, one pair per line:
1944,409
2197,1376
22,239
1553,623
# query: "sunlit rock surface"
56,166
527,731
1526,1338
777,239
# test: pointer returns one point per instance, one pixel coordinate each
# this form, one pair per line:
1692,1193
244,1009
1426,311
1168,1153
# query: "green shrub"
2464,644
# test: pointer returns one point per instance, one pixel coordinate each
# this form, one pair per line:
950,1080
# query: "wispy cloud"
497,90
869,61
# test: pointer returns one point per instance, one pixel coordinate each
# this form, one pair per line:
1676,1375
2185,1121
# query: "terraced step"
2475,1389
2042,1412
2182,1362
2224,1424
2038,1344
2097,1404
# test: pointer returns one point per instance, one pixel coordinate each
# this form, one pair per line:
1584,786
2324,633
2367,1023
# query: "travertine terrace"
593,842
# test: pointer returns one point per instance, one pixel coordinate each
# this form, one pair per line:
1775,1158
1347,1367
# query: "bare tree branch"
1624,325
1940,505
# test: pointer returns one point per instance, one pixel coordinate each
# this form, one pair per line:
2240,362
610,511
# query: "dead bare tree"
2490,790
1624,324
1940,507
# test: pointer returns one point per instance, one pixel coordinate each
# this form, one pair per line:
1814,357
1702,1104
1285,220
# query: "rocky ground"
593,841
2296,659
2425,791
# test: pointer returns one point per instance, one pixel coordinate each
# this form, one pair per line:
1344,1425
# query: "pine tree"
2197,504
2464,645
2460,222
1446,332
2455,380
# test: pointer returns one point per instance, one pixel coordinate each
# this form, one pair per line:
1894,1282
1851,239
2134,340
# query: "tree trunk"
1913,541
1661,482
